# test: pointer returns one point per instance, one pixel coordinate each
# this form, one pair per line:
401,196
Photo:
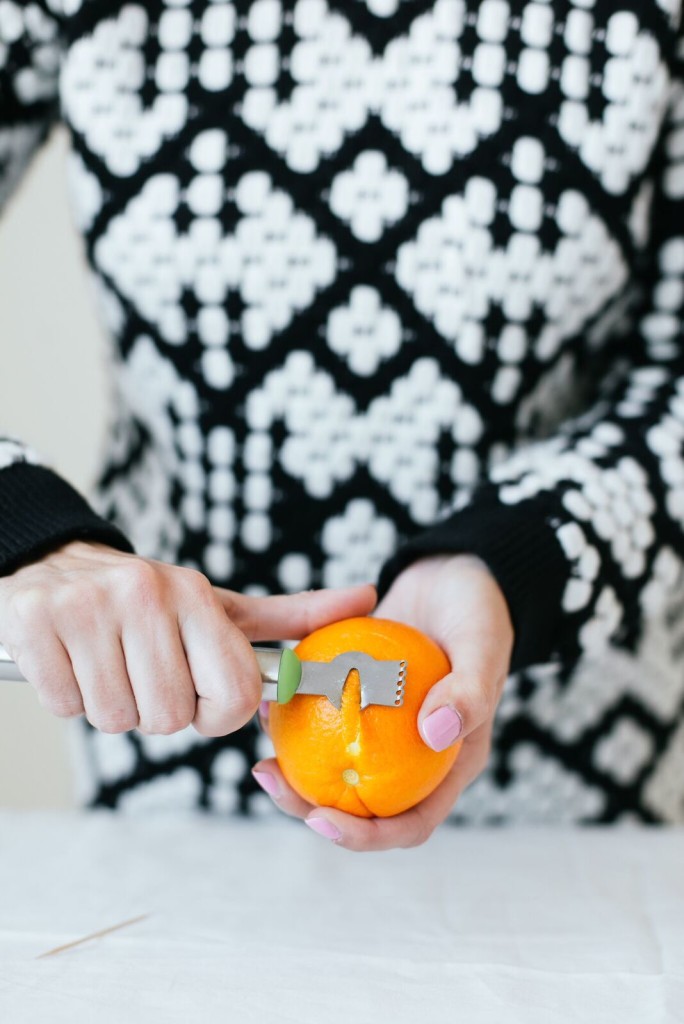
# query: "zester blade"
382,682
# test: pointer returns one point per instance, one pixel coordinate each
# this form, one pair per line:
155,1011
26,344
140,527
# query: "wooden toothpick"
95,935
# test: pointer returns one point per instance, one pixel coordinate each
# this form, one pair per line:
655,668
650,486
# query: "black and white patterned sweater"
386,277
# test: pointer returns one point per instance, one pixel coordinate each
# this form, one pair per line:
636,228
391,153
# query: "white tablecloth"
263,921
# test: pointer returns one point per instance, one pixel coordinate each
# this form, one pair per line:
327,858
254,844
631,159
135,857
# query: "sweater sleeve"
39,510
575,526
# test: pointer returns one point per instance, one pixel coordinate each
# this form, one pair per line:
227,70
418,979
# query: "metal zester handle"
269,660
283,674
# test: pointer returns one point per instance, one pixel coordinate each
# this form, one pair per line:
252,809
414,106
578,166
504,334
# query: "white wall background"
52,394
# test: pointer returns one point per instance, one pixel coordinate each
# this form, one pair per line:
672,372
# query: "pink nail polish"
442,728
268,784
264,708
323,827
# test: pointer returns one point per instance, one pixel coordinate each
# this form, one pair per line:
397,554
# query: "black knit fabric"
39,512
520,549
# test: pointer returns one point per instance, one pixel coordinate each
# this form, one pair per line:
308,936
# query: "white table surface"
261,921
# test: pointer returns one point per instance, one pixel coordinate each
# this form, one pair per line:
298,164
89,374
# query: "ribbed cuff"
519,546
39,512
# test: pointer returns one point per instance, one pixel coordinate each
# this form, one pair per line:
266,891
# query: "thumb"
292,616
468,696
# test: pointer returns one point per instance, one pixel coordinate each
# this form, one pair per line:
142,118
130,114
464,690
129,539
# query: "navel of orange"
370,762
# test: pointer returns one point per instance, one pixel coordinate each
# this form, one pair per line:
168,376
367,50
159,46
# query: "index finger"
292,616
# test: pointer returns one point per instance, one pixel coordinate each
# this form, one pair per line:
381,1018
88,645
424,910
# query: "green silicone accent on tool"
289,675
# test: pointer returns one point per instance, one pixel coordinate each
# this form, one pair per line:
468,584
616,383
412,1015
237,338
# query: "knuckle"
28,606
144,583
166,722
219,722
212,726
69,709
230,704
196,587
237,699
243,705
61,704
193,578
114,720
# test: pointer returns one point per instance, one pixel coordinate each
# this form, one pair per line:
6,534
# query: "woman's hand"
456,601
132,643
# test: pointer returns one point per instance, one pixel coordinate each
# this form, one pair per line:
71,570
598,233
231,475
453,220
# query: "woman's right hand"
132,643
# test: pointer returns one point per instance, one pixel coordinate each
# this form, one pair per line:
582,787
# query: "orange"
370,762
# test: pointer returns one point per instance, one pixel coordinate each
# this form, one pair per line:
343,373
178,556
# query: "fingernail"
267,783
442,728
323,827
264,708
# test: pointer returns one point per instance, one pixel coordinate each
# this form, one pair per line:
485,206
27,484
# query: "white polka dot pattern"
34,27
364,332
633,92
456,275
275,260
340,83
356,543
102,82
370,197
394,438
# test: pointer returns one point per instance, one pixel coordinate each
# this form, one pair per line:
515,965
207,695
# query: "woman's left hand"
455,600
